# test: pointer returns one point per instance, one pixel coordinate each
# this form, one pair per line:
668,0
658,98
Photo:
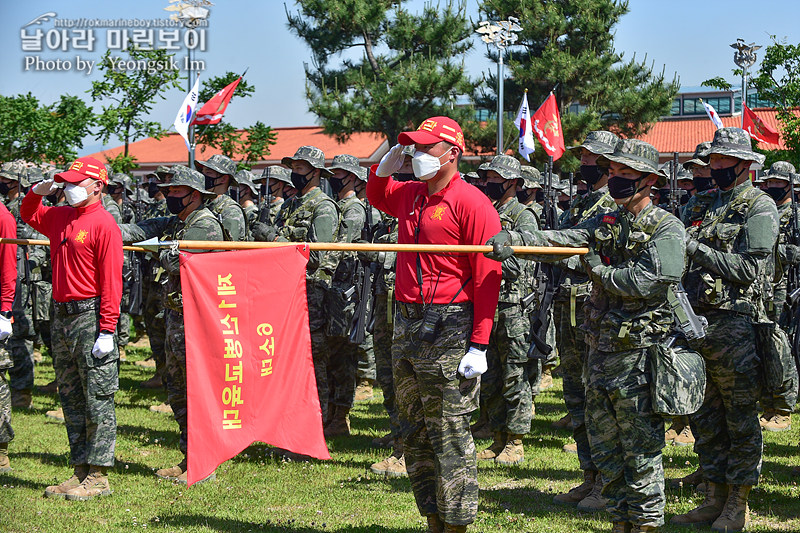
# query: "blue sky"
689,38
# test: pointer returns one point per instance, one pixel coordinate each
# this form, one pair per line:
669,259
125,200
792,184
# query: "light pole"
190,13
501,34
745,57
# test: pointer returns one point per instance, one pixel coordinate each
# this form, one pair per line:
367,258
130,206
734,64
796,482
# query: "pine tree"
378,67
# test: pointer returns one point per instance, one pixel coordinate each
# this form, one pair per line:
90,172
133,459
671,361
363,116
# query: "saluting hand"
391,162
44,188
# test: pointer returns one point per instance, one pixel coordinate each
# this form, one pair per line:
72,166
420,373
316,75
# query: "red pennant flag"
759,130
249,371
212,111
547,127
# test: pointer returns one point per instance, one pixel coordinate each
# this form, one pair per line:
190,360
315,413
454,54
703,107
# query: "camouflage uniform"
153,280
6,431
732,236
199,225
41,276
229,213
245,177
271,174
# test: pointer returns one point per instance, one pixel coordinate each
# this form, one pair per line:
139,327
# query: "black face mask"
4,188
591,174
703,184
404,176
620,188
539,195
495,191
210,183
175,203
152,189
336,185
685,197
724,177
777,193
523,196
299,181
563,204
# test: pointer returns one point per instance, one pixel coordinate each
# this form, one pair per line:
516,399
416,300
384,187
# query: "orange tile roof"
171,149
683,134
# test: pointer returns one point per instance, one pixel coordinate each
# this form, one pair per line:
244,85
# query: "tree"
410,66
132,85
38,133
569,45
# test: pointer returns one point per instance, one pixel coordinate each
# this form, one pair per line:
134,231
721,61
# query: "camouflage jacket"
231,216
517,273
312,217
250,216
353,218
641,257
736,231
271,211
111,206
386,233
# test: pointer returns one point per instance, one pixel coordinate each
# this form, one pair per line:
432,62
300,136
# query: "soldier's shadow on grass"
179,521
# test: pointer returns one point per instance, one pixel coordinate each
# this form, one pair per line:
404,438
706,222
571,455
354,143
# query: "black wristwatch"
6,314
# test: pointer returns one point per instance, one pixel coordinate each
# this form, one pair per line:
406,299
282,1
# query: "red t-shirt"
86,253
8,259
458,214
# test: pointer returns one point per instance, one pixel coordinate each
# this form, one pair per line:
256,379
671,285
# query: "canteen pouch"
431,325
772,348
678,379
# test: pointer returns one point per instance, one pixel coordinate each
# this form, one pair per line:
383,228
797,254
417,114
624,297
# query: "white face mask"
426,165
75,194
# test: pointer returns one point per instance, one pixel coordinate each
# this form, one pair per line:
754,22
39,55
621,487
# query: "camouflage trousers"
726,428
366,359
784,399
20,346
175,373
435,404
320,355
505,387
626,436
86,387
123,330
6,431
382,345
341,371
43,312
572,350
154,323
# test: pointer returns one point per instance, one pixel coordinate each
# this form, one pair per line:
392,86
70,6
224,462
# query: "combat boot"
513,453
778,422
383,442
547,380
153,383
691,480
709,510
480,429
172,473
364,391
392,466
93,485
572,447
339,424
684,438
576,494
435,524
146,363
50,388
21,399
736,513
594,501
765,417
497,446
674,430
565,422
164,408
5,463
450,528
59,491
620,527
56,414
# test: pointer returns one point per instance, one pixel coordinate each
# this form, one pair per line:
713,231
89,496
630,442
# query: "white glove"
391,162
43,188
104,345
473,364
5,328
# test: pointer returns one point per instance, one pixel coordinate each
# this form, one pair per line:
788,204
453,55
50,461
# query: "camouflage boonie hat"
733,142
160,169
683,174
346,162
51,175
220,163
780,170
120,178
362,174
699,152
506,166
188,177
471,176
311,155
245,177
409,150
531,177
33,175
598,142
639,156
13,170
275,173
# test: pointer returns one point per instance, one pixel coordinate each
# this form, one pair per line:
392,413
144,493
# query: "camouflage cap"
598,142
13,170
245,177
683,173
780,170
471,176
188,177
311,155
346,162
275,173
733,142
220,163
638,155
51,175
700,151
33,175
159,172
531,177
506,166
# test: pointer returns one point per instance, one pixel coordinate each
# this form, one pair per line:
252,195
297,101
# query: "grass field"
259,491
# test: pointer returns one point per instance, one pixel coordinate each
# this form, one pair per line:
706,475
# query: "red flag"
249,371
547,127
757,129
212,111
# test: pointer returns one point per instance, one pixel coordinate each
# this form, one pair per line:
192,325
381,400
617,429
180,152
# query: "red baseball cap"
82,168
432,131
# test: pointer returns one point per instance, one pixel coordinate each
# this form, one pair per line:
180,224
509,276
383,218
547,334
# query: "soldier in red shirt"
446,304
8,285
86,254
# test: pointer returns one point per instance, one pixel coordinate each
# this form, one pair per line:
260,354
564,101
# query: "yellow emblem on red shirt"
81,236
438,212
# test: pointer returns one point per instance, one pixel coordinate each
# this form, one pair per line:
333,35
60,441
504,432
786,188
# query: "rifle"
674,192
133,278
365,272
793,281
571,181
265,218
